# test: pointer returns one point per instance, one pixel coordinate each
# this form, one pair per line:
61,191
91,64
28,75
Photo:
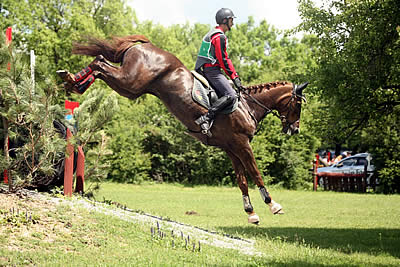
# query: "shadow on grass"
371,241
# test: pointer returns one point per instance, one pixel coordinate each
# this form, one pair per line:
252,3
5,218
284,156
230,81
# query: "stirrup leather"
202,119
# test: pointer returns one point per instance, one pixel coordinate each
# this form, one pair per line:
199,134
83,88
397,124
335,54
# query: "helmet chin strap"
227,24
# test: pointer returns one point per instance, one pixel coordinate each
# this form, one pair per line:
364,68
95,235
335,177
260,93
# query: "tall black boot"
205,121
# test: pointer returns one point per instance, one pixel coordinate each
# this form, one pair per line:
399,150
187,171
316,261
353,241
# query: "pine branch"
394,86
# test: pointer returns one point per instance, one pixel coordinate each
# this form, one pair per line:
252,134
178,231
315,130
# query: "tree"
50,27
357,74
28,111
260,53
97,109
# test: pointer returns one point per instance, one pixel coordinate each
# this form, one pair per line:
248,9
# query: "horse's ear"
300,88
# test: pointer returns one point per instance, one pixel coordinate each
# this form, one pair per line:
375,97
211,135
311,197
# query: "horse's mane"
113,49
254,89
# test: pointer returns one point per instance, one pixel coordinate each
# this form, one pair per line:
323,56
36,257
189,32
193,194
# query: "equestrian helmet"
223,15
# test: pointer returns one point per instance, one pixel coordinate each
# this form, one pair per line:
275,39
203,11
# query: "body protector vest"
206,55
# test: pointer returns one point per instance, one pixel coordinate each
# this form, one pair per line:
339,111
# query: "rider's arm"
219,43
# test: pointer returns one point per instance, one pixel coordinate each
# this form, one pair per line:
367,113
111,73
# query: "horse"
146,69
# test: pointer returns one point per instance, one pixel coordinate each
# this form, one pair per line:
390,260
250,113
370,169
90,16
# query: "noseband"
295,97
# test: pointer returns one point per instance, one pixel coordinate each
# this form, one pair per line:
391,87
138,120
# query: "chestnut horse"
146,68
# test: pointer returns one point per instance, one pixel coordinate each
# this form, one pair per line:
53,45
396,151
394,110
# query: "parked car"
352,165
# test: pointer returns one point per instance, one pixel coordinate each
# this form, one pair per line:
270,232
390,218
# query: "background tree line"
351,58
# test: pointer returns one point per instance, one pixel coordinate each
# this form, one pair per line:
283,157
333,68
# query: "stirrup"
206,128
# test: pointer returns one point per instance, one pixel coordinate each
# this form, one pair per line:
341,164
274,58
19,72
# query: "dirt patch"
26,215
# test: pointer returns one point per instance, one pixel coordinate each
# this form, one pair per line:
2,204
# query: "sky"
282,14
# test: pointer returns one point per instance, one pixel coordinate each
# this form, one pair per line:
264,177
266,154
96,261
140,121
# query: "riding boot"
205,121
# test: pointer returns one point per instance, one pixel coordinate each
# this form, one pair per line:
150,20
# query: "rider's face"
230,22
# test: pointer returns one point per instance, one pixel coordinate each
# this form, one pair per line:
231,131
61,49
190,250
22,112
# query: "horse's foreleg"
242,182
247,159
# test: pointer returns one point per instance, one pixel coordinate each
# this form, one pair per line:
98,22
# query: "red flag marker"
8,36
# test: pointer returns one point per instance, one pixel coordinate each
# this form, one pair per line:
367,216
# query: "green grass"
319,228
69,236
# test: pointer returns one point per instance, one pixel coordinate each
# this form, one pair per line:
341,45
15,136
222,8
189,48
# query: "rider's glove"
238,83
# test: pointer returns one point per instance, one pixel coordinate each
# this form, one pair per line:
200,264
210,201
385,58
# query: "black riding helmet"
223,15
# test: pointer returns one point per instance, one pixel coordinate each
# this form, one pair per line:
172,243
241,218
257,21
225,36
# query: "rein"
267,109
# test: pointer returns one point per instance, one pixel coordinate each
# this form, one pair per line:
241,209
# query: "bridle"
294,97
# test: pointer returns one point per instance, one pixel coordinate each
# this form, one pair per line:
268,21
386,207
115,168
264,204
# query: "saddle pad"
200,96
201,78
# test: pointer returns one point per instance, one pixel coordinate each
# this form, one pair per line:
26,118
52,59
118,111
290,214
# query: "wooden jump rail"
343,182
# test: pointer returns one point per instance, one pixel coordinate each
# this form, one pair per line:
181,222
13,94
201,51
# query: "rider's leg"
224,91
218,105
218,81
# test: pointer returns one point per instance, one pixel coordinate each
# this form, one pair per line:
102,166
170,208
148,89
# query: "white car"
352,165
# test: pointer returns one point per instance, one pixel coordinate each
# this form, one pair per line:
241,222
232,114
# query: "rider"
211,58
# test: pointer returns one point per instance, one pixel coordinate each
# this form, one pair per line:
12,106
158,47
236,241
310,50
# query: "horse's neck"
269,95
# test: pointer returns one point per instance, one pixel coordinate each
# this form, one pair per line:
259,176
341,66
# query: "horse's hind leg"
247,159
242,182
124,79
113,76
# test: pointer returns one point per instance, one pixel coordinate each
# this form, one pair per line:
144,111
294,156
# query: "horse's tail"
113,50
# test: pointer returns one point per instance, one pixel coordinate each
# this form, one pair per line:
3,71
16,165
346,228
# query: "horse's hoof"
275,208
254,219
66,76
100,58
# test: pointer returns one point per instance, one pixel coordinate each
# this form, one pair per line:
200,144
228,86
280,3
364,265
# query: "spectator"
337,159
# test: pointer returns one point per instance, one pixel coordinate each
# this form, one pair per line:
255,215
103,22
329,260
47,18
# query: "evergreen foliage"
96,111
27,112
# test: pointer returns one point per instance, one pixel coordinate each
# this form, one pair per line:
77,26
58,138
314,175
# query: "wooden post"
316,172
7,174
7,148
69,166
364,183
80,171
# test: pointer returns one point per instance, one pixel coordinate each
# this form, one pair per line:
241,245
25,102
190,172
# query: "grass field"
318,229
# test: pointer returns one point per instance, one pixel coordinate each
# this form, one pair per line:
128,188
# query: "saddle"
205,95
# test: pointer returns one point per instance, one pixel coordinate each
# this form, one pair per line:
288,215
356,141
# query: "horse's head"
268,98
289,112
